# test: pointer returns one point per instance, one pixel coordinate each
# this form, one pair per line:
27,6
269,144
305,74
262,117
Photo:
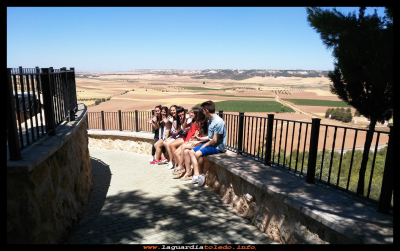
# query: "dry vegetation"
129,91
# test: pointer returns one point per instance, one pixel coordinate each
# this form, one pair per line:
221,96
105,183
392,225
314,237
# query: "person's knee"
198,154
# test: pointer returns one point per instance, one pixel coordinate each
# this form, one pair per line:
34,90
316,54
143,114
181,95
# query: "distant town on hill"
220,73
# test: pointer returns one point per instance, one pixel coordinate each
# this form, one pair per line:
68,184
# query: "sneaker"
201,180
163,161
170,165
193,180
155,162
152,159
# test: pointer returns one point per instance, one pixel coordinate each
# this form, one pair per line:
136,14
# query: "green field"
248,106
313,102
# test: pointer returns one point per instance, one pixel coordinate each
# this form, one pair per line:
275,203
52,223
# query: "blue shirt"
216,125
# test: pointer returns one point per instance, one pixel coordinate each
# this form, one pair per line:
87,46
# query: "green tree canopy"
363,68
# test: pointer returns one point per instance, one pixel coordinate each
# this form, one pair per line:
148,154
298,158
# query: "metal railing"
38,99
134,121
321,153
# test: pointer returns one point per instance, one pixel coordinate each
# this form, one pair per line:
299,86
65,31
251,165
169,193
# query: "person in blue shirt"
214,143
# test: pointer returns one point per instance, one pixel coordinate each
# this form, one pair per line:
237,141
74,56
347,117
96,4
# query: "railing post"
268,149
387,180
240,132
120,120
12,131
63,73
221,113
87,121
137,120
102,120
312,157
47,91
152,114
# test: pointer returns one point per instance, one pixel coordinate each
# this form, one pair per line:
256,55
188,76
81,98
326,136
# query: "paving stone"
135,203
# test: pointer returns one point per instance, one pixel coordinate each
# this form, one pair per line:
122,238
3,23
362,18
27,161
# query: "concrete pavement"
133,202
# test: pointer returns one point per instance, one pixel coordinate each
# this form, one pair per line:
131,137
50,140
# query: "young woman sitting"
164,129
198,129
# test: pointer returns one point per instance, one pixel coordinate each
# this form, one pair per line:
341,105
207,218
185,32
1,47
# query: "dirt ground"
150,90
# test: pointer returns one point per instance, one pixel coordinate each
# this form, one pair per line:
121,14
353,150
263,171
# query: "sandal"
185,178
177,171
180,175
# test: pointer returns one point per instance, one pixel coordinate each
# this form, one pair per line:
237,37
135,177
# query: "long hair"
164,108
179,109
195,111
158,117
202,122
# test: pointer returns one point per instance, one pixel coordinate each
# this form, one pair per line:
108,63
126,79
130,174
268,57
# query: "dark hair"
169,111
209,105
166,113
202,122
159,107
179,109
195,111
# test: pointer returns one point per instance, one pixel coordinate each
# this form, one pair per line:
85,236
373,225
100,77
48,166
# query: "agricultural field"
313,102
143,90
248,106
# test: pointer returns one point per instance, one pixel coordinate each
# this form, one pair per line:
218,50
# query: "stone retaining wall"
129,144
287,209
47,195
272,216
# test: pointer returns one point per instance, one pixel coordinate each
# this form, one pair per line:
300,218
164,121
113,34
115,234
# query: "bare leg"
174,145
166,145
186,156
158,145
194,156
178,157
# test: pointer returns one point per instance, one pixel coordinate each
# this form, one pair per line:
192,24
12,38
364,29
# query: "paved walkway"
133,202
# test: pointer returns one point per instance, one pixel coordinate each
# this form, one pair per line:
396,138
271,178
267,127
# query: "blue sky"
126,38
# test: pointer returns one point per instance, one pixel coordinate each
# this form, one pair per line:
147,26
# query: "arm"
155,123
212,141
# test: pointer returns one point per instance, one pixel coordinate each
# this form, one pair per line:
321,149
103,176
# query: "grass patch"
313,102
248,106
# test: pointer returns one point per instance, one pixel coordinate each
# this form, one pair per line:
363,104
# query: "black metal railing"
321,153
133,121
38,99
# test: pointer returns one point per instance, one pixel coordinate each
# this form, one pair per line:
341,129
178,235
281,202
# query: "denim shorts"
207,150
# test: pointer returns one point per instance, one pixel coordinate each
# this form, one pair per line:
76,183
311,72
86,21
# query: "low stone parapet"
48,190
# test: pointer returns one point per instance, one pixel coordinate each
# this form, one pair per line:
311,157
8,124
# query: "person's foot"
177,171
152,159
180,175
170,165
186,178
201,180
193,180
163,161
155,162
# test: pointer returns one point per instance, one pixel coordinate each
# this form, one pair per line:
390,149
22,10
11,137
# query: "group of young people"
187,137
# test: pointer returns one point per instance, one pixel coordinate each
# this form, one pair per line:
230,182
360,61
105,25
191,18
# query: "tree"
363,68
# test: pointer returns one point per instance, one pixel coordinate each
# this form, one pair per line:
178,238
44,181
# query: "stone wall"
129,144
46,200
271,215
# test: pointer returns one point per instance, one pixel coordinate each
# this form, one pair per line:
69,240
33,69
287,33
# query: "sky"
181,38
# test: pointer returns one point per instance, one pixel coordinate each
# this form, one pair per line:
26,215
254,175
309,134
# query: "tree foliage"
363,69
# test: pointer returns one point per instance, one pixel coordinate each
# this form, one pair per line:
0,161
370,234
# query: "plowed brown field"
150,90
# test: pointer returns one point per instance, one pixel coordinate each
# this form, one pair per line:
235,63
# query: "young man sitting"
214,143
